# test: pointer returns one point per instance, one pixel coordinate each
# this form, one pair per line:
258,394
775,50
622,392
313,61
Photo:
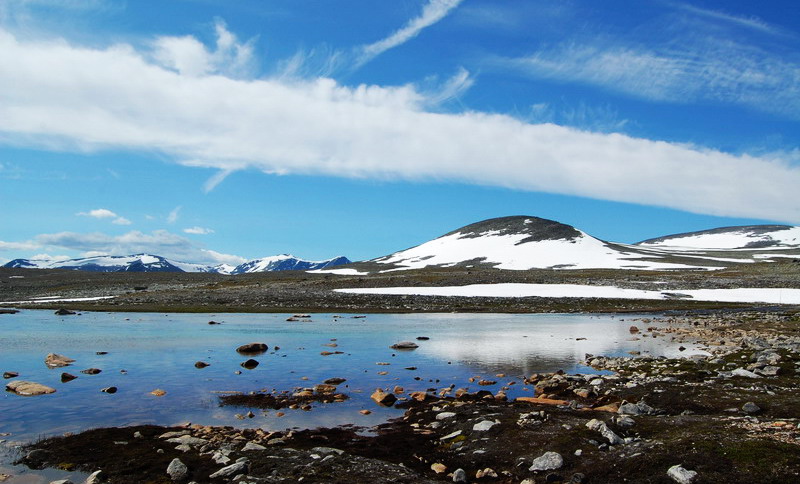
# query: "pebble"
751,408
459,475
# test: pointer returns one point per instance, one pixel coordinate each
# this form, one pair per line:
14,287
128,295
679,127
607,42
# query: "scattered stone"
681,475
54,360
444,415
549,461
639,408
488,472
252,349
62,481
95,477
65,377
633,330
101,353
109,390
365,412
214,322
606,432
28,388
404,345
423,338
158,392
383,398
231,470
459,475
249,364
91,371
751,408
200,364
483,426
335,381
10,374
64,312
744,373
438,468
324,388
252,446
451,435
177,470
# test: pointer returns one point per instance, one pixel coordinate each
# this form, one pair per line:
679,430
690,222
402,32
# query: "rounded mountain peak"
537,229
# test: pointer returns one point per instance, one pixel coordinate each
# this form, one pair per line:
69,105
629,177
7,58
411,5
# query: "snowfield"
583,252
745,295
734,239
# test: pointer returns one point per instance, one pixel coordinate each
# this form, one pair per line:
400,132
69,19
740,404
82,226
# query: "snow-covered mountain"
741,237
108,263
286,262
524,242
155,263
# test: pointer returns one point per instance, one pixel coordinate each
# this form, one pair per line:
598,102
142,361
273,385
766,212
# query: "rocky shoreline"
730,416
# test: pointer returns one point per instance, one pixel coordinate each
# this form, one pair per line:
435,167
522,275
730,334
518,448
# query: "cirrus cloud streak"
320,127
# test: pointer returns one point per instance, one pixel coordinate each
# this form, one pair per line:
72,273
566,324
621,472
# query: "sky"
212,131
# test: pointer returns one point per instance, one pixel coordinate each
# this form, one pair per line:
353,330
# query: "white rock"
94,478
177,470
483,426
444,415
744,373
681,475
253,446
231,470
548,461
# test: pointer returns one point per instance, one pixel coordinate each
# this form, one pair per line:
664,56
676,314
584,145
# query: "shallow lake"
147,351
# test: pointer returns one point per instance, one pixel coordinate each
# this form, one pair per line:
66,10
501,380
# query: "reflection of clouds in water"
549,346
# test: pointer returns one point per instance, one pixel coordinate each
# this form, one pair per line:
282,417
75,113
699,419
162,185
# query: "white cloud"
98,213
198,230
189,56
696,69
321,127
27,245
160,242
753,23
173,215
432,12
102,213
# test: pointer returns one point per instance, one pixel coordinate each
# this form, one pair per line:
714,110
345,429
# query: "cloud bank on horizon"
210,105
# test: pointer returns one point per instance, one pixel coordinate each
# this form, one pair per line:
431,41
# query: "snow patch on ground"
747,295
341,272
49,299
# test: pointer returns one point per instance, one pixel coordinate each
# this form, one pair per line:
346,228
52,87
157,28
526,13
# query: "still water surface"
158,351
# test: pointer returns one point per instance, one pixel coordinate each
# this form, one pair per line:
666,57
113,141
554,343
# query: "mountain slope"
286,262
741,237
523,242
128,263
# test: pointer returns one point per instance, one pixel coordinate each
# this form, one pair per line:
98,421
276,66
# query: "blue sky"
215,131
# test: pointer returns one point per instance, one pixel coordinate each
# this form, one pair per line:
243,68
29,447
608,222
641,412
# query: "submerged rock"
28,388
63,312
54,360
404,345
65,377
10,374
249,364
383,398
252,348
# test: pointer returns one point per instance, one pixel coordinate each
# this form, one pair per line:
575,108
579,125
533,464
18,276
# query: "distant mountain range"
156,263
525,242
514,243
